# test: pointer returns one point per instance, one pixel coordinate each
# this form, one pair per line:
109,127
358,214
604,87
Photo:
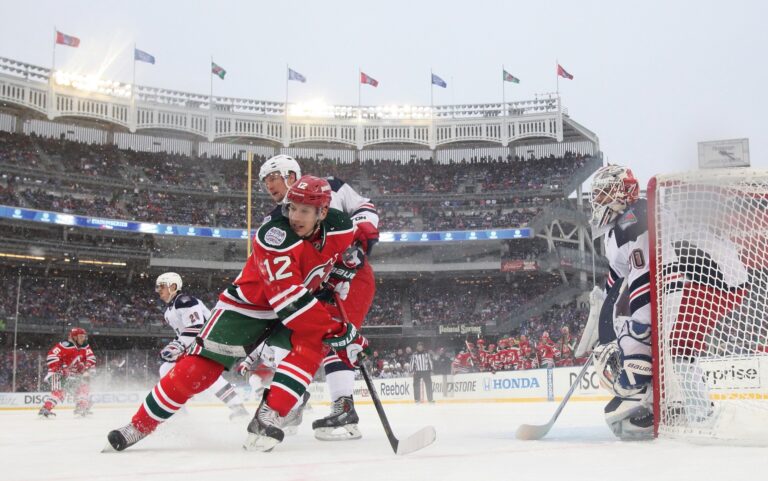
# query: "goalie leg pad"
631,418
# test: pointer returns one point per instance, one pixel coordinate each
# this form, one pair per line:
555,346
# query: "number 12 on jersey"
281,263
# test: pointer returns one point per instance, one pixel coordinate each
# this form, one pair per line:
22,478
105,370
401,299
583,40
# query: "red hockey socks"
190,376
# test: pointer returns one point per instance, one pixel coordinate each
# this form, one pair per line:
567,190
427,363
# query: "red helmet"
76,331
310,190
480,341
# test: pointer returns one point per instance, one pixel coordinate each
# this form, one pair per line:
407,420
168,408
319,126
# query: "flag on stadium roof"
562,73
217,70
366,79
294,75
143,56
67,40
508,77
438,81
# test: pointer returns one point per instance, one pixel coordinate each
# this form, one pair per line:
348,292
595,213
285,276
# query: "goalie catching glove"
349,345
173,351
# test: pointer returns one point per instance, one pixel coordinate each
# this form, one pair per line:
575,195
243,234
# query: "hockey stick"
418,440
529,432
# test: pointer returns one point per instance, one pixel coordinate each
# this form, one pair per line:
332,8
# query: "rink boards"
727,379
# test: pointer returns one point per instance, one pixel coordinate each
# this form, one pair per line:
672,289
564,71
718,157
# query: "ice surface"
474,442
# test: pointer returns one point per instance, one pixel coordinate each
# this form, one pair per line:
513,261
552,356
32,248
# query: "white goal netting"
709,243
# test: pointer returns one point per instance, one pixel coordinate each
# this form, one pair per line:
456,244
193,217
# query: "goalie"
623,356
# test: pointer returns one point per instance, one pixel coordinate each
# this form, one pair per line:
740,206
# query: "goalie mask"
614,188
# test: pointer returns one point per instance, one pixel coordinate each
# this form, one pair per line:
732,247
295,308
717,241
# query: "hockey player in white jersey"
357,292
186,315
623,358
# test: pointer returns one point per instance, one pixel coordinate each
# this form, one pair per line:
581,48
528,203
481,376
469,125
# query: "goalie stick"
418,440
529,432
606,334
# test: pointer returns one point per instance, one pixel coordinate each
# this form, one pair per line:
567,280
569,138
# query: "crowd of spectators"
172,188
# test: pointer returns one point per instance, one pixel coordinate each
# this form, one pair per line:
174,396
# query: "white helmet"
169,278
614,188
285,164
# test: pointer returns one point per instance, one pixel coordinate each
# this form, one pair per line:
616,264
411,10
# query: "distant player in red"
547,351
462,363
69,363
567,346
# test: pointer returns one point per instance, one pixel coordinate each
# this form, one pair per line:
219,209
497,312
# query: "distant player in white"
186,315
357,292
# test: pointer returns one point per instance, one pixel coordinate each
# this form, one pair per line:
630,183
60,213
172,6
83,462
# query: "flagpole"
210,99
133,84
287,70
503,90
53,62
557,77
359,89
431,93
453,98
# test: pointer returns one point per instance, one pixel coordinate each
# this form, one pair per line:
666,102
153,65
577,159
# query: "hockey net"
709,278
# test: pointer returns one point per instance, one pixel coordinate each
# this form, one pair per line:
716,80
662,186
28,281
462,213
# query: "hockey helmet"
310,190
77,331
168,279
614,187
285,164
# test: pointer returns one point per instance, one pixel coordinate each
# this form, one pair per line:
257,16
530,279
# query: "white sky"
652,78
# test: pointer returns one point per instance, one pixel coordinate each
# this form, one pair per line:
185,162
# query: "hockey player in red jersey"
547,351
278,174
69,364
566,346
292,257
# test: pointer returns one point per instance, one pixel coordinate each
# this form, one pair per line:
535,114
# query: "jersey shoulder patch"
276,235
632,223
335,183
67,344
337,220
184,300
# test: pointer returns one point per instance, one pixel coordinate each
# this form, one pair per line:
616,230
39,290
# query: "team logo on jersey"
627,220
275,236
318,275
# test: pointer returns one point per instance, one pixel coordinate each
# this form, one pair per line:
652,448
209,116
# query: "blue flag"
438,81
294,75
143,56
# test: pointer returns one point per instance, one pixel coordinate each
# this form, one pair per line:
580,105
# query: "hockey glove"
353,257
338,282
172,351
349,345
366,234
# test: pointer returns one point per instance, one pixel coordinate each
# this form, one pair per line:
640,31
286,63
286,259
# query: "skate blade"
109,449
258,443
347,433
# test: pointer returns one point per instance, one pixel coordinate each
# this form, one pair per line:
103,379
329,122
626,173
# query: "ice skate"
83,411
293,419
341,424
45,413
125,437
265,429
237,411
